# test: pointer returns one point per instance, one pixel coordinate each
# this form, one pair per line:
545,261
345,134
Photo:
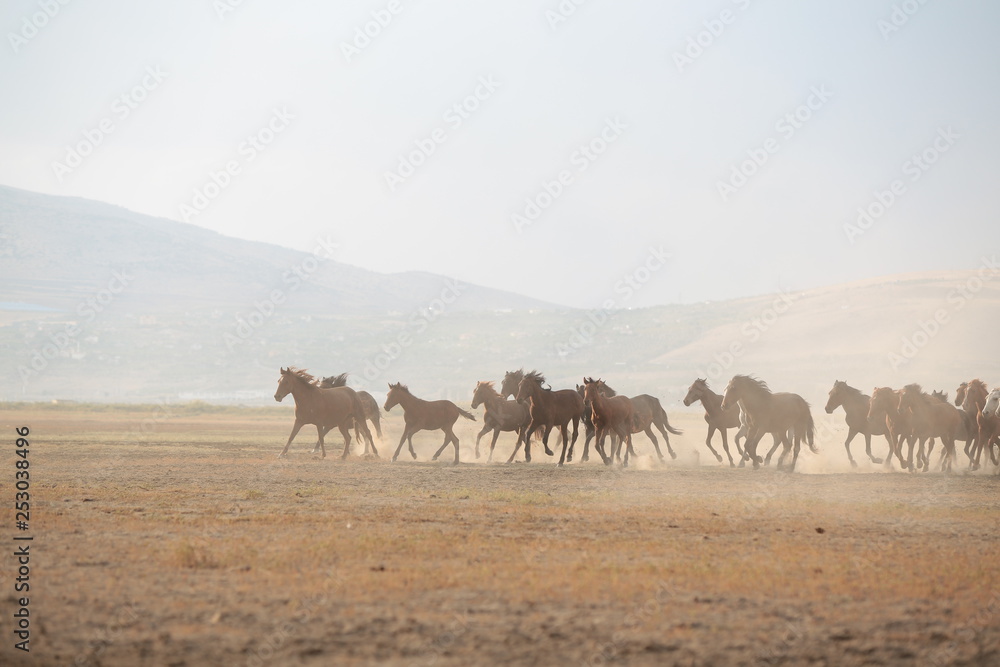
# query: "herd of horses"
525,405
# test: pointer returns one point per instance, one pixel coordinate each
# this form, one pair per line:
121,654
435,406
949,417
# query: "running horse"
609,414
973,396
368,402
501,415
548,409
784,415
420,415
718,419
932,419
884,407
856,408
324,408
648,412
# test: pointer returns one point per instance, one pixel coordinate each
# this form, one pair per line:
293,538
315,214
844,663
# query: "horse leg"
625,436
409,442
486,427
777,441
588,436
402,439
493,443
316,447
927,458
868,448
545,440
529,430
750,449
447,439
725,446
847,445
708,442
656,445
564,431
295,430
345,431
599,446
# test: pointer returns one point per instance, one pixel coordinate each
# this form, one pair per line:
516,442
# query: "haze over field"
741,138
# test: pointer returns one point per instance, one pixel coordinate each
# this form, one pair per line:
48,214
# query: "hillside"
191,317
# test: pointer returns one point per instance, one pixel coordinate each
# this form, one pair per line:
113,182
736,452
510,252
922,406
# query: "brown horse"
590,431
370,405
511,380
548,409
856,408
420,415
932,419
500,415
884,406
648,413
324,408
610,414
972,396
784,415
718,419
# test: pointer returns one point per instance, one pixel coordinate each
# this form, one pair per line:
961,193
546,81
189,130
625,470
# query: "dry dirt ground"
180,539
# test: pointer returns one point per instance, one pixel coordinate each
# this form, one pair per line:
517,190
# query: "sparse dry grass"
213,543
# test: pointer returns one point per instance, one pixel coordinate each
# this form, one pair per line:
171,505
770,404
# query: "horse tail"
662,418
358,411
467,415
810,429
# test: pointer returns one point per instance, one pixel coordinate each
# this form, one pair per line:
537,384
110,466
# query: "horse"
420,415
370,405
325,408
548,409
610,414
511,380
590,431
884,406
781,414
856,408
501,415
932,419
974,395
992,406
718,419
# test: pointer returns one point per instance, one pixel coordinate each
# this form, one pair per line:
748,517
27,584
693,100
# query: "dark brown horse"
610,414
370,405
501,415
718,419
588,423
884,406
648,413
511,380
324,408
421,415
972,396
932,419
856,408
784,415
548,409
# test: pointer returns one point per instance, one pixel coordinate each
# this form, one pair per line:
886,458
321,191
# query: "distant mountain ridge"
54,249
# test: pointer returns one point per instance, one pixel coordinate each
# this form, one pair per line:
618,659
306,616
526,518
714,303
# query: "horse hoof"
854,464
548,452
876,461
718,457
584,459
732,465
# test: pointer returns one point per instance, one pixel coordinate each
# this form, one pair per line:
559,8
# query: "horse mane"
853,391
977,384
915,388
535,376
302,375
335,381
760,384
401,387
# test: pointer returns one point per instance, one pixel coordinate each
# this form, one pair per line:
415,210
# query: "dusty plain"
169,536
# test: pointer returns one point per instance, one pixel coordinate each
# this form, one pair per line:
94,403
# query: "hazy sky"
669,96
